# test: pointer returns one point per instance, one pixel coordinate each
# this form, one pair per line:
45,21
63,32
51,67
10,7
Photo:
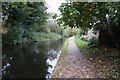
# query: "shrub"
93,42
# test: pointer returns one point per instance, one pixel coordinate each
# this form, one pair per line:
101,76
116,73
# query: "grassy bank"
64,49
57,70
104,59
80,43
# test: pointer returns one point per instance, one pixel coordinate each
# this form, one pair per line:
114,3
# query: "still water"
35,60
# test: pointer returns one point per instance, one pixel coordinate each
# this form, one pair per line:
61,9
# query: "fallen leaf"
90,58
100,61
84,67
60,74
88,77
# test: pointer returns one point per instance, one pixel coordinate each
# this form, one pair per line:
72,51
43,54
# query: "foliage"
93,42
52,26
71,31
54,16
45,36
15,36
99,16
86,15
69,13
20,18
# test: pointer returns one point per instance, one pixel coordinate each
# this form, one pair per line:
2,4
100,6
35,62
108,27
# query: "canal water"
35,60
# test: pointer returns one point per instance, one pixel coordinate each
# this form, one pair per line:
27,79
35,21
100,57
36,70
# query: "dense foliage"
20,19
103,17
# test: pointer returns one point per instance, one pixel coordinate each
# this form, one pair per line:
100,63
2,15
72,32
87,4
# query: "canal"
34,60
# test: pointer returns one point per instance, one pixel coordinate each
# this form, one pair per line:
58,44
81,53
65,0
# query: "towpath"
74,64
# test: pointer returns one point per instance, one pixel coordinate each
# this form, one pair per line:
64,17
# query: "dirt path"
74,64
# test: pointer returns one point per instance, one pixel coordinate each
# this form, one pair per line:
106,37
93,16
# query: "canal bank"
64,51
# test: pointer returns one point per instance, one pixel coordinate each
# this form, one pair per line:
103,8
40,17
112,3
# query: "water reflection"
53,56
25,63
36,60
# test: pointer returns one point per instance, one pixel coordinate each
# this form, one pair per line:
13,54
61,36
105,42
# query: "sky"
53,5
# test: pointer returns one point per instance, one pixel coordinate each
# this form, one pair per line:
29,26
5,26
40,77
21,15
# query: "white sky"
53,5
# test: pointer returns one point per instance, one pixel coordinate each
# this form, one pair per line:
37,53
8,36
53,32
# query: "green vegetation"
93,42
71,31
80,43
27,21
45,36
20,19
65,48
102,17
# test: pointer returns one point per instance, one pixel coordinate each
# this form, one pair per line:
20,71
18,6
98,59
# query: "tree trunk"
109,36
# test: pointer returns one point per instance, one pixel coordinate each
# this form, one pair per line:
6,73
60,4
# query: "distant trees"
53,26
20,19
103,17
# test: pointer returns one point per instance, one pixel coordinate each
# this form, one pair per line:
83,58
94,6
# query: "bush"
14,35
93,42
84,39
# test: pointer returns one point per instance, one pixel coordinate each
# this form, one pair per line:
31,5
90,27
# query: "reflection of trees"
25,62
57,44
52,54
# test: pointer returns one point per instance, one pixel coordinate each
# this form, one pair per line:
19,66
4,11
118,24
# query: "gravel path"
74,64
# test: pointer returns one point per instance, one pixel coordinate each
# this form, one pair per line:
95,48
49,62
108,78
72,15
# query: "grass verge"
65,48
57,70
80,43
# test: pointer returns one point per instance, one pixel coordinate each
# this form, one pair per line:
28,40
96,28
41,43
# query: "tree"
21,19
99,16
